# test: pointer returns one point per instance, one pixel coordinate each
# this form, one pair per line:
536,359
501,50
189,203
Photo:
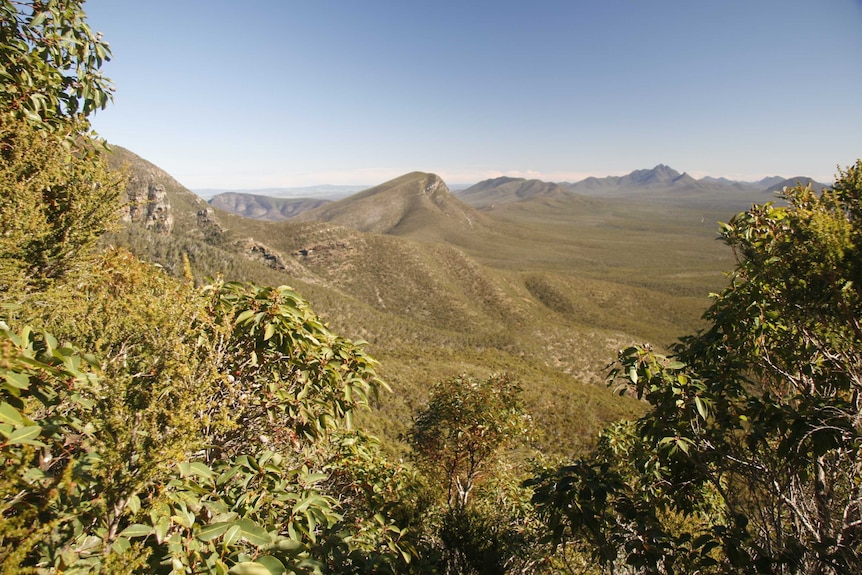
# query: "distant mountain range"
264,207
659,184
762,183
662,184
489,193
323,191
665,178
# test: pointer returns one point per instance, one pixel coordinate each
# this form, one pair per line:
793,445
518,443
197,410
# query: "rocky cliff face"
148,205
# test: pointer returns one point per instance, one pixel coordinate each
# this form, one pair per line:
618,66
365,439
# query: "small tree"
57,202
58,196
465,424
481,527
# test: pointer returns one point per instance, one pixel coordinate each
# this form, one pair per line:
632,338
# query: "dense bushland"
151,425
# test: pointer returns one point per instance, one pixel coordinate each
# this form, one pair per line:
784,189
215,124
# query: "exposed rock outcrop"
254,250
324,251
148,205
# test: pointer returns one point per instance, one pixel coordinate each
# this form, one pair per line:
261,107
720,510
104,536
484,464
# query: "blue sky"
281,93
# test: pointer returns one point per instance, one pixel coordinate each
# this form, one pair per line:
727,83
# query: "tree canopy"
50,64
58,196
464,426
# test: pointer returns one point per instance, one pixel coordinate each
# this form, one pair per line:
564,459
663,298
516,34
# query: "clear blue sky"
272,93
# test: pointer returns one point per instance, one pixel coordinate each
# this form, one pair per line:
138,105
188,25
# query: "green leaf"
88,544
254,533
313,478
274,566
121,545
210,532
26,435
288,546
33,474
312,521
269,331
134,504
232,535
39,19
244,315
200,469
701,408
308,501
136,530
183,517
161,529
9,414
18,380
249,568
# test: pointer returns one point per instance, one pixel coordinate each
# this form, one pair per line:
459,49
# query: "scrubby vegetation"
152,421
151,424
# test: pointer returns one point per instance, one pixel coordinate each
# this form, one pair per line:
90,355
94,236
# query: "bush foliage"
747,461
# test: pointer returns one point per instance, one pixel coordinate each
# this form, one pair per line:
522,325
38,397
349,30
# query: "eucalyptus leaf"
212,531
136,530
249,568
25,435
9,414
254,533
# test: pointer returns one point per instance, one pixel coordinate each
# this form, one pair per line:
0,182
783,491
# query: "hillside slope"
417,205
546,288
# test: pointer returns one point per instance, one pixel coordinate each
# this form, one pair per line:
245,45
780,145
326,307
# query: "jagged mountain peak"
661,174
